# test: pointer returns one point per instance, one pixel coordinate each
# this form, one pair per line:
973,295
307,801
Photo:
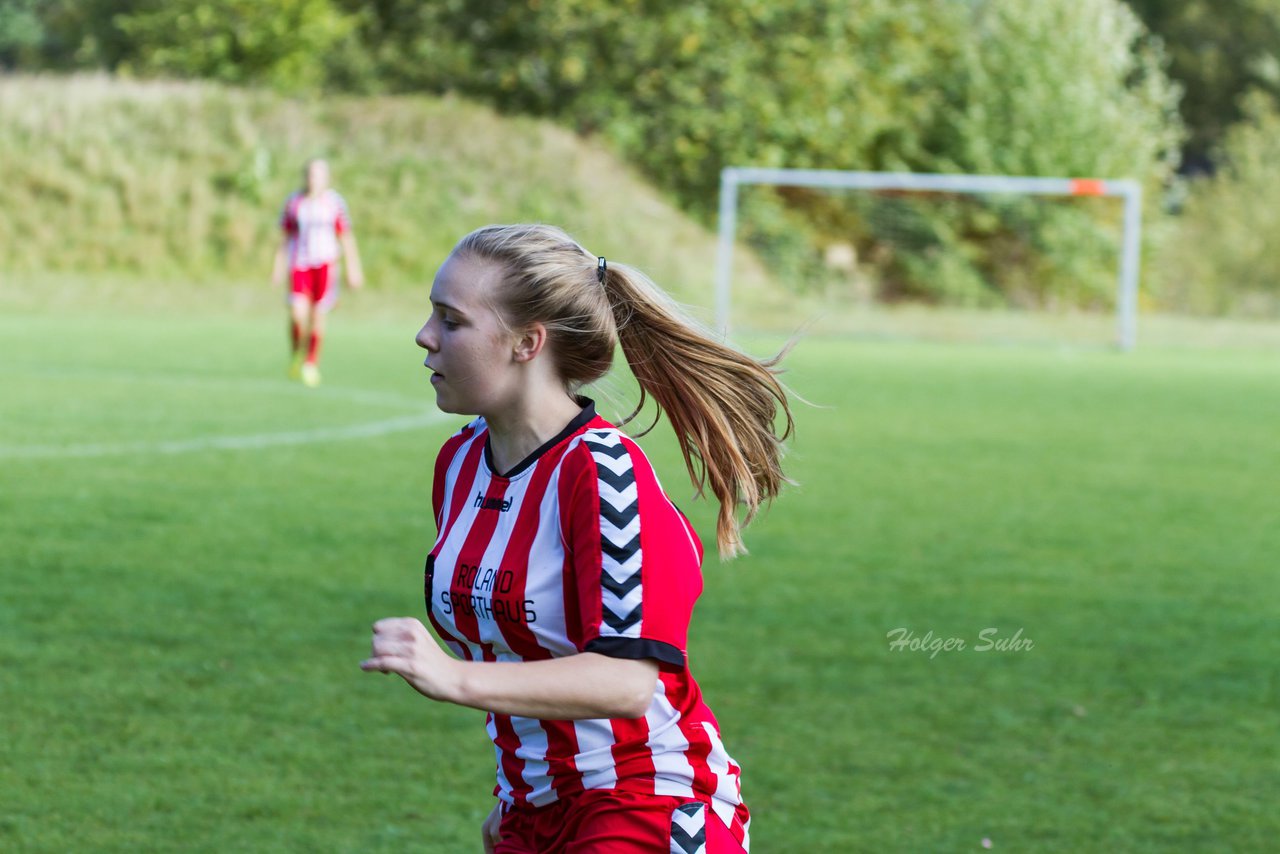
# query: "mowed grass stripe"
179,635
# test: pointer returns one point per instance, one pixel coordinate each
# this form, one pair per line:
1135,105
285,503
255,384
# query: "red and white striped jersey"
312,226
578,549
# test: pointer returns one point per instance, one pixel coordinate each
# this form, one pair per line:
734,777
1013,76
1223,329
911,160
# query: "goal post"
1130,191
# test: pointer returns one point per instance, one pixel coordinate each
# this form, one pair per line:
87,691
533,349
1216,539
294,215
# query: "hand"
489,830
355,276
402,645
279,268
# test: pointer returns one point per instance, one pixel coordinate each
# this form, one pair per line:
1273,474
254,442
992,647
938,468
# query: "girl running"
314,221
562,575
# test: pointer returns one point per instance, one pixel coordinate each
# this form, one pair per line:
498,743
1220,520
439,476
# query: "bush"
1221,258
285,43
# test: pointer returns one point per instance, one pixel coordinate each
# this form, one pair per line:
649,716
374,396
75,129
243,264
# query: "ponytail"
722,404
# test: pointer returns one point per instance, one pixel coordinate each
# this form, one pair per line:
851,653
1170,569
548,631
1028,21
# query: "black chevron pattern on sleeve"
622,589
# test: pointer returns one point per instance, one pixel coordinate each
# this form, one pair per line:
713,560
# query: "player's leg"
299,311
323,296
315,324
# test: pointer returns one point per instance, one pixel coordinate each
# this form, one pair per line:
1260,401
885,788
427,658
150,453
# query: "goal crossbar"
1129,190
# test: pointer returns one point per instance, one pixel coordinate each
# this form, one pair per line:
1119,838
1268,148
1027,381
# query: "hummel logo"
500,504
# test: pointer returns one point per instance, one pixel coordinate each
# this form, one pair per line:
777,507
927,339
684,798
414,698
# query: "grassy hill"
164,182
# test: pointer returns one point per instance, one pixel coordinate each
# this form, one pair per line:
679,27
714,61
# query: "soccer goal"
966,239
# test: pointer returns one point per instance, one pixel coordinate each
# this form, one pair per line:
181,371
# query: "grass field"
192,549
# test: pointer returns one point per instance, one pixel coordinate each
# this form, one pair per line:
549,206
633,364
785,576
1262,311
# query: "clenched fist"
403,645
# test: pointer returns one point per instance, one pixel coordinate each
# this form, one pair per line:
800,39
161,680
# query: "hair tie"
602,267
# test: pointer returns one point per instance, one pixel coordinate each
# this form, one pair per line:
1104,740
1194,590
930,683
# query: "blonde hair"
721,403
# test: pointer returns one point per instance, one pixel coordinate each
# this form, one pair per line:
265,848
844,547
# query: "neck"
517,432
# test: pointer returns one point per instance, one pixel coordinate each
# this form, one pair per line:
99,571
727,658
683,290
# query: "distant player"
562,575
315,222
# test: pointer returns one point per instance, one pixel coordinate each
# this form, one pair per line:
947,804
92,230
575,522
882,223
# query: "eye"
446,320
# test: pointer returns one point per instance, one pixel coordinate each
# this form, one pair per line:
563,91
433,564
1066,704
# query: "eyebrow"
447,307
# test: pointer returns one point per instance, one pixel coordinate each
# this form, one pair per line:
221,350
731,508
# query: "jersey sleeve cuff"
637,648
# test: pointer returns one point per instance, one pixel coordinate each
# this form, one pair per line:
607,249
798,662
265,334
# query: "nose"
426,338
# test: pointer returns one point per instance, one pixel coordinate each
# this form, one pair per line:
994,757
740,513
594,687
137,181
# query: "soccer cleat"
295,367
310,374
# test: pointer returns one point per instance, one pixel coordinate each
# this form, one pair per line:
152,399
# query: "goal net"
845,240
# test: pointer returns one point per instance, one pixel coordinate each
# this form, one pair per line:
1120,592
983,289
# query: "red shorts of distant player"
316,285
617,822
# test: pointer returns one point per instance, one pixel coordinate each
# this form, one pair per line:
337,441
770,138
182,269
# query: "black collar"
580,420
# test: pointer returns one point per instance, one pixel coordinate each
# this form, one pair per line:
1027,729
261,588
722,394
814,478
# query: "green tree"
1063,87
1219,50
1223,259
83,34
1071,88
284,43
686,88
22,33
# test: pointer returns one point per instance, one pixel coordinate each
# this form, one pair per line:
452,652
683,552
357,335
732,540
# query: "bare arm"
355,273
490,831
586,685
281,263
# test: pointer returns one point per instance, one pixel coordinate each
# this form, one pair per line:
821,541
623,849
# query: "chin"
444,404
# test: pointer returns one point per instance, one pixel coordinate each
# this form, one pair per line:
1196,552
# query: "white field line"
252,442
280,386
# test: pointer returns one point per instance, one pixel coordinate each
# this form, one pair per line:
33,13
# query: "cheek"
499,348
482,353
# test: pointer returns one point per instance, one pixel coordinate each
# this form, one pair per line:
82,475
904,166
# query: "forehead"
466,283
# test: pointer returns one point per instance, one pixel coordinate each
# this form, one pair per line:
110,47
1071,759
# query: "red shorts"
606,821
316,285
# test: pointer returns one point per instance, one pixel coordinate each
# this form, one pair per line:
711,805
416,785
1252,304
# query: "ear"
529,343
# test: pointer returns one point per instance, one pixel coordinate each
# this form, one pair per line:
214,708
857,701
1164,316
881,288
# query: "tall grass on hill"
184,181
